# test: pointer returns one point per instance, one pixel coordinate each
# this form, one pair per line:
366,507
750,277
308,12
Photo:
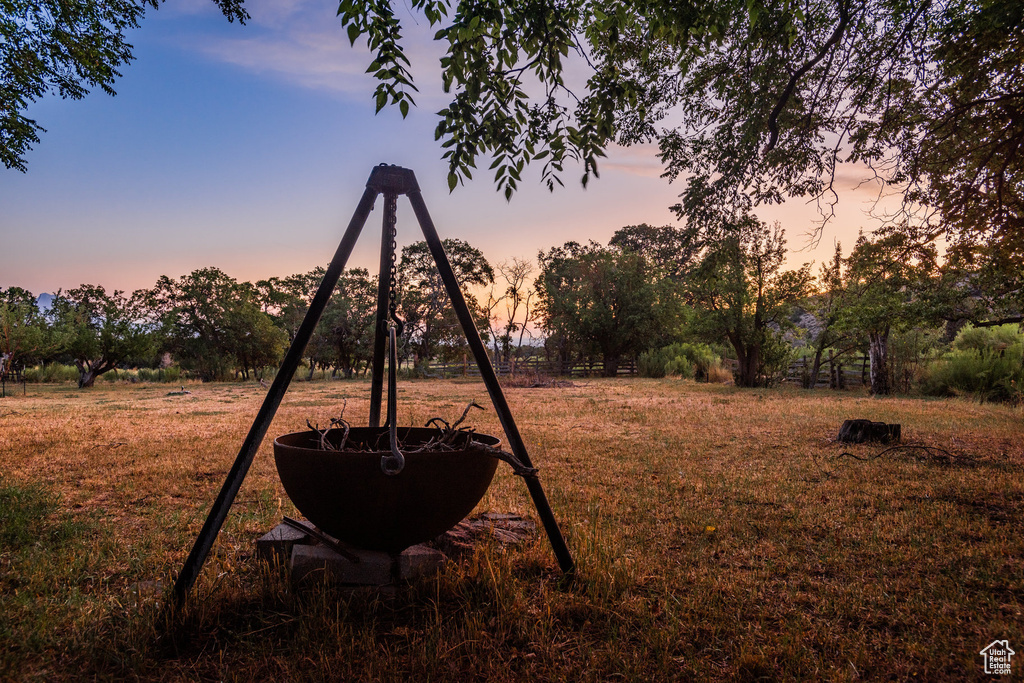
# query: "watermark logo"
997,657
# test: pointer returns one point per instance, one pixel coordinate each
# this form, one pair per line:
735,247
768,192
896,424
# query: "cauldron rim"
419,435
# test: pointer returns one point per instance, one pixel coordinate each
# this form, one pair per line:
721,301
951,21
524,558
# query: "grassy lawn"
719,534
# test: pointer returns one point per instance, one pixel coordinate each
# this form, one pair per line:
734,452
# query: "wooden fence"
540,366
835,372
11,376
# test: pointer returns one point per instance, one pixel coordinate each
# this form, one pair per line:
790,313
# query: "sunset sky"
247,147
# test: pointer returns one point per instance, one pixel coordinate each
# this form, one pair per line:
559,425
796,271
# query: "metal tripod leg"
515,441
219,512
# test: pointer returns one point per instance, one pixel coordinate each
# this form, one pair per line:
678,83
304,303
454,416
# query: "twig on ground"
918,451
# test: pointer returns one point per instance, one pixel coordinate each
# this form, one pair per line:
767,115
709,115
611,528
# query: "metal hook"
393,464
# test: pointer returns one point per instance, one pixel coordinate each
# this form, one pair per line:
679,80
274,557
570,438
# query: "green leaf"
453,180
353,33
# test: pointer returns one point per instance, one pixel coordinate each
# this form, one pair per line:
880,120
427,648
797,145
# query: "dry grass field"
720,534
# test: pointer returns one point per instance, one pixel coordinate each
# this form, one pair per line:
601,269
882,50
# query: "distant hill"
44,301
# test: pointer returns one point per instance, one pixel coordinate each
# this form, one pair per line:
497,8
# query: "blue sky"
247,147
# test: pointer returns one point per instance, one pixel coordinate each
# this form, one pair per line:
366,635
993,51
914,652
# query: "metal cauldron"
345,493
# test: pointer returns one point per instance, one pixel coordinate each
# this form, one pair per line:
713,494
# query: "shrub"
987,363
776,356
690,361
983,339
652,363
680,366
703,358
170,374
52,373
115,375
719,374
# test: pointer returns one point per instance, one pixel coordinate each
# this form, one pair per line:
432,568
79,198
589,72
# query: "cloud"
310,60
641,160
301,42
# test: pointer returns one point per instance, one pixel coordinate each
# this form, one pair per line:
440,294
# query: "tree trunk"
812,381
878,348
611,366
89,371
748,361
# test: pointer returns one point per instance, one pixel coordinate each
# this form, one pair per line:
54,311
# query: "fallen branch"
918,451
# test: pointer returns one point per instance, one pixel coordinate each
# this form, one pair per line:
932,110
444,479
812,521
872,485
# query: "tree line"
652,287
649,289
215,327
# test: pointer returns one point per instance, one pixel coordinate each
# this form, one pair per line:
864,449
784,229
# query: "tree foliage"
346,329
886,282
25,336
65,47
431,328
667,251
825,304
982,285
213,324
99,331
593,298
741,293
751,101
517,296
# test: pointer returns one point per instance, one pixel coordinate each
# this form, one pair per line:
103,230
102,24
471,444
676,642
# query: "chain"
392,215
392,463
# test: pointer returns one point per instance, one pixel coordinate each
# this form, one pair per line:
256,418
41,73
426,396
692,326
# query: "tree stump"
862,431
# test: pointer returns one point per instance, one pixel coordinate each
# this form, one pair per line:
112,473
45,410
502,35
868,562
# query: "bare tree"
516,273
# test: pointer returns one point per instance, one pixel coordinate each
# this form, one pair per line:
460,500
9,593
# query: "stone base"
276,545
310,560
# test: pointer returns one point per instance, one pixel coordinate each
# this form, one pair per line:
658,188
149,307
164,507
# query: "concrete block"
277,544
417,561
310,561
